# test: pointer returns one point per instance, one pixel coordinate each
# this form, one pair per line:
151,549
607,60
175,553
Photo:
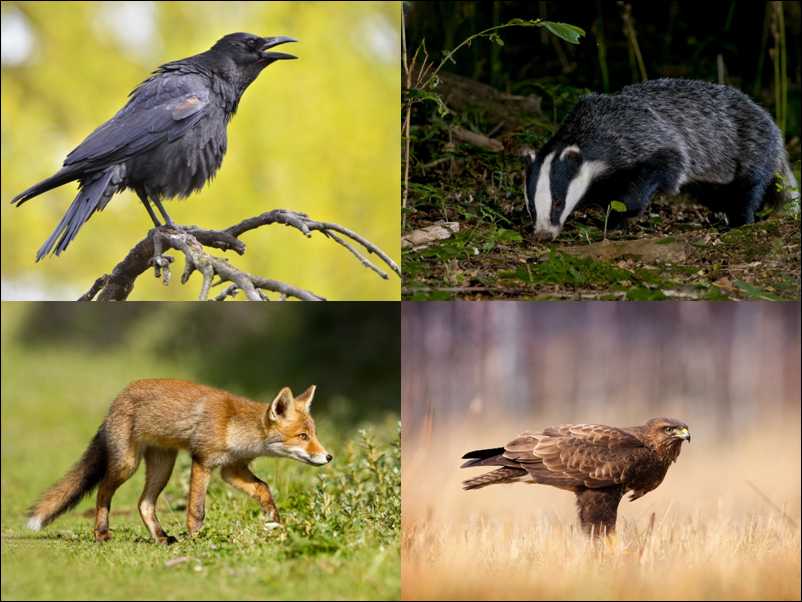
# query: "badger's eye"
303,437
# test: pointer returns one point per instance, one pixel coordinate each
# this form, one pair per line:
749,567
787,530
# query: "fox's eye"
303,437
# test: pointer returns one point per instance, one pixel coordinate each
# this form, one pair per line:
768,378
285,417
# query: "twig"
305,224
191,241
96,286
767,499
632,37
646,536
230,291
407,118
479,140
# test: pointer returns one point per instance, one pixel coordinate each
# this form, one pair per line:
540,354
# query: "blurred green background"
63,363
351,351
318,135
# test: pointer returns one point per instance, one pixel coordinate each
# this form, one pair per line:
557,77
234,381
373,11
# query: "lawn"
340,537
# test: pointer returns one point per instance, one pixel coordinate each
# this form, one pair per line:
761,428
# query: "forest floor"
677,250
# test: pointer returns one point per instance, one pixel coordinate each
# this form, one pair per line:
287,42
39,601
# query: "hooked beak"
276,56
684,434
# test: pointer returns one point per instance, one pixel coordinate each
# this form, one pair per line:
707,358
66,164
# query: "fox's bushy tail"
80,480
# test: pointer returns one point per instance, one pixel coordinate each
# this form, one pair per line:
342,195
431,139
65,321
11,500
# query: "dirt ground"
678,250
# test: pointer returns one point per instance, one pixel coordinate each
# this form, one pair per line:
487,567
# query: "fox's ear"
281,406
305,398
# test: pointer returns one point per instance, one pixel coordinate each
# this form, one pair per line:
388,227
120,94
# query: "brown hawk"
598,463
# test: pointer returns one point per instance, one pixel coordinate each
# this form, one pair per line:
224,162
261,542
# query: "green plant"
778,55
420,75
616,206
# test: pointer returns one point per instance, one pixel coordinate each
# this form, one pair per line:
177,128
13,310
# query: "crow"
167,141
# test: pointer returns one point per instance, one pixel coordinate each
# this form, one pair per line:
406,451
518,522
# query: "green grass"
340,538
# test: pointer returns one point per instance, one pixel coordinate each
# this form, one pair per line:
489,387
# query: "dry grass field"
723,525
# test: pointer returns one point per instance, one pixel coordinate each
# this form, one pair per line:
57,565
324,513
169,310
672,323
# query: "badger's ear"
529,157
305,399
571,153
281,406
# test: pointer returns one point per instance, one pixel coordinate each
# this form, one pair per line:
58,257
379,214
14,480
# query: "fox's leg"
240,477
199,481
121,467
158,468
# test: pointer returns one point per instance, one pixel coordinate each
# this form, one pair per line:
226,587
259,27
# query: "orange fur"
155,419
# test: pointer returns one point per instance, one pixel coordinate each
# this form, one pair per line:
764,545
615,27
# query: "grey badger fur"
660,136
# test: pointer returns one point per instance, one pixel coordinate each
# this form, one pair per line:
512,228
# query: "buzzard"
598,463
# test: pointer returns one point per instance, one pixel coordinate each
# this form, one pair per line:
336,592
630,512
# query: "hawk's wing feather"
575,455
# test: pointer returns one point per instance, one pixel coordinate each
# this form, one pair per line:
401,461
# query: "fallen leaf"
422,238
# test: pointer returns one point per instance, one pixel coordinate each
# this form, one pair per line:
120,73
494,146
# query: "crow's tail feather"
62,176
93,196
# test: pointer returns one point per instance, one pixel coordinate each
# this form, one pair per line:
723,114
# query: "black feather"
167,141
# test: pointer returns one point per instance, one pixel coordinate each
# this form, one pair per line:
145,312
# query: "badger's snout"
546,235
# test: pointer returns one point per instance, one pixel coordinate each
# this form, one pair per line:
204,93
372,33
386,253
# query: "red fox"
154,419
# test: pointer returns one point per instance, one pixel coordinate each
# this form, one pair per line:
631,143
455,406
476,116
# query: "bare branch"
98,284
192,241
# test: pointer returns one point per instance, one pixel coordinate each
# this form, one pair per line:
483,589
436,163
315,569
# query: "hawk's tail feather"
502,475
480,457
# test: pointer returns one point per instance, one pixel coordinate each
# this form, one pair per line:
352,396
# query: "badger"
659,137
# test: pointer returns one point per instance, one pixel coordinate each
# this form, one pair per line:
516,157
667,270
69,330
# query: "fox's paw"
167,540
271,525
101,536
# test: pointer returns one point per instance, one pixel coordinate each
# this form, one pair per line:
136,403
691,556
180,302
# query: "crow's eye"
303,437
252,42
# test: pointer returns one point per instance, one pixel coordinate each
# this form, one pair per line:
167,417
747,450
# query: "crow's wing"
161,109
589,455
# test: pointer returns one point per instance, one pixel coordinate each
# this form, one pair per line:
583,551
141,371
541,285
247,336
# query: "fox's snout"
319,459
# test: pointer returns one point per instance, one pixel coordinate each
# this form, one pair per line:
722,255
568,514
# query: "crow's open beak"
276,56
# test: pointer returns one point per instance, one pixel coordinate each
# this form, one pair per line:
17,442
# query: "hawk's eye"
668,429
303,437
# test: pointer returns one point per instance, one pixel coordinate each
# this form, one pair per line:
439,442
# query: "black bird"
167,141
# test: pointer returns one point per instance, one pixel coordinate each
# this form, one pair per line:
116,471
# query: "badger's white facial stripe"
570,149
543,198
579,186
